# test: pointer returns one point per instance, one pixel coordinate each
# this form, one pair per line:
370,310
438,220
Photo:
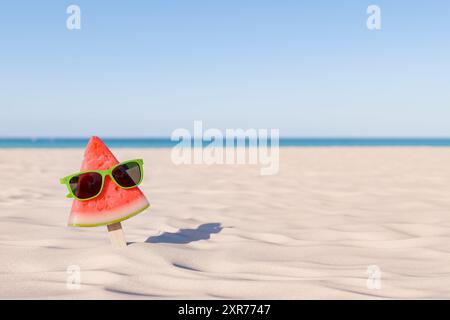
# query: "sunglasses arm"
63,181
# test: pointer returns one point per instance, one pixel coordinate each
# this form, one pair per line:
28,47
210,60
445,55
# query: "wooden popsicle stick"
116,235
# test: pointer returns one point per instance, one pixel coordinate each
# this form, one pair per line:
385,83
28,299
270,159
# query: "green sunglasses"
88,185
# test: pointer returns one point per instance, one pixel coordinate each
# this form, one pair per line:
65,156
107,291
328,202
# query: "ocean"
167,143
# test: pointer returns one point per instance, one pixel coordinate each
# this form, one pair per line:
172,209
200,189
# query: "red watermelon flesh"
114,204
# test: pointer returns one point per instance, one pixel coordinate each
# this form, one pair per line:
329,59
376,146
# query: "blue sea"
167,143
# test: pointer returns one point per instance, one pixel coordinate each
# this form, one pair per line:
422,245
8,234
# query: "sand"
309,232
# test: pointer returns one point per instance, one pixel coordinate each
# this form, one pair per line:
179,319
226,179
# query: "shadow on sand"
184,236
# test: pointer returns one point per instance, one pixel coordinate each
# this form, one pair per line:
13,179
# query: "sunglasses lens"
127,175
86,185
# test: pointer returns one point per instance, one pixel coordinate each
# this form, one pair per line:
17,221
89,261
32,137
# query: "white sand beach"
309,232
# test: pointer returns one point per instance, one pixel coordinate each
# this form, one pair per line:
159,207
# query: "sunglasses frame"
103,173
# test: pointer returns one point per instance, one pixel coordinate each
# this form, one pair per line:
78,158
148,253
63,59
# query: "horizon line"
169,138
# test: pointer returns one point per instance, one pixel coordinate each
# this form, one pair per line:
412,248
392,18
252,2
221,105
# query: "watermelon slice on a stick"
113,204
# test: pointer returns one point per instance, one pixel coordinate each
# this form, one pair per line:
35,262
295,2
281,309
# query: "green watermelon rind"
87,225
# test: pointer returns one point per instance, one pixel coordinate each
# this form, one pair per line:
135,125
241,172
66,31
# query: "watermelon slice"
114,204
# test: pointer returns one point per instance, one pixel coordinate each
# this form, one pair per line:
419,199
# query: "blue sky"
145,68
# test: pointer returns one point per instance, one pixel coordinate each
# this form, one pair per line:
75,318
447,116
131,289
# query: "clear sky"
145,68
